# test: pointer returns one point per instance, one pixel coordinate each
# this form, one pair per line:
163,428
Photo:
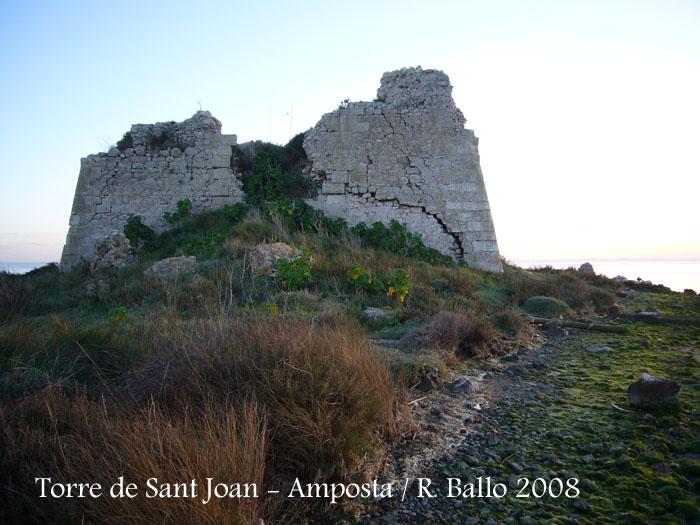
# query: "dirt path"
547,414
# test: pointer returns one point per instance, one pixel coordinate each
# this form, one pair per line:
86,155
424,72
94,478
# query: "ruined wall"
404,156
407,156
165,163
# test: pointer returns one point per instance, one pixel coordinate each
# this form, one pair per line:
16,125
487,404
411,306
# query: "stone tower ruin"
405,156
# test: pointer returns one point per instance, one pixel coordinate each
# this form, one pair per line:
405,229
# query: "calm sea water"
20,267
677,274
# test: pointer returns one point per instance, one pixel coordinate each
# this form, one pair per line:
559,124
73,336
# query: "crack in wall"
457,241
459,248
403,156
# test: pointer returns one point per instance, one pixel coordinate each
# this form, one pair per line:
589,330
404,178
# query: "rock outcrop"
171,268
407,156
113,252
263,259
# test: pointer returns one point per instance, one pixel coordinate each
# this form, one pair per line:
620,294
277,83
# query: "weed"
295,273
183,210
361,279
399,284
125,142
136,231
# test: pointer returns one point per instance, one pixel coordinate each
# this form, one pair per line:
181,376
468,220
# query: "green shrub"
296,273
183,210
117,314
270,171
136,231
361,279
399,284
125,142
235,213
397,239
545,306
293,154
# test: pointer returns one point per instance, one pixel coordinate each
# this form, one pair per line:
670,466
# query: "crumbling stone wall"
404,156
407,156
165,162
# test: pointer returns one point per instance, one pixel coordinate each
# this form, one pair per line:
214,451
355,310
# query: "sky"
588,112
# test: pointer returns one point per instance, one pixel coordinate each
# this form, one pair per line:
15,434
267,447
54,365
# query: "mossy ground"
559,421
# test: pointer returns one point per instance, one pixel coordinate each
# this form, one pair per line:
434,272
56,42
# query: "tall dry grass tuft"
77,440
462,333
252,399
327,395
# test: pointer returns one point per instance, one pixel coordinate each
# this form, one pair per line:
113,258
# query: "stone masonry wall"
407,156
166,162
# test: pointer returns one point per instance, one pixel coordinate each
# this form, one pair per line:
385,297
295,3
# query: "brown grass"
461,333
75,439
247,399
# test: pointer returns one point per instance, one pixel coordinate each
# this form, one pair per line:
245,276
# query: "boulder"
650,391
169,269
586,268
462,385
264,257
113,252
377,315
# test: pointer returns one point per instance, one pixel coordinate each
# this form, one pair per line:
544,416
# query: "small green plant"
203,244
117,314
125,142
295,273
236,212
136,231
361,279
399,285
183,210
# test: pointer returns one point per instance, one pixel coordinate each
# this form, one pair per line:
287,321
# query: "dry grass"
455,334
250,399
326,392
74,439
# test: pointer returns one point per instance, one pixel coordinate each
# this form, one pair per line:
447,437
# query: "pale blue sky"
588,112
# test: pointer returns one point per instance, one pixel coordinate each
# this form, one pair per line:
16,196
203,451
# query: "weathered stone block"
221,161
331,188
340,177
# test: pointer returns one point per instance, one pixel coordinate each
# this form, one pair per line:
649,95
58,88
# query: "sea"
677,274
20,267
